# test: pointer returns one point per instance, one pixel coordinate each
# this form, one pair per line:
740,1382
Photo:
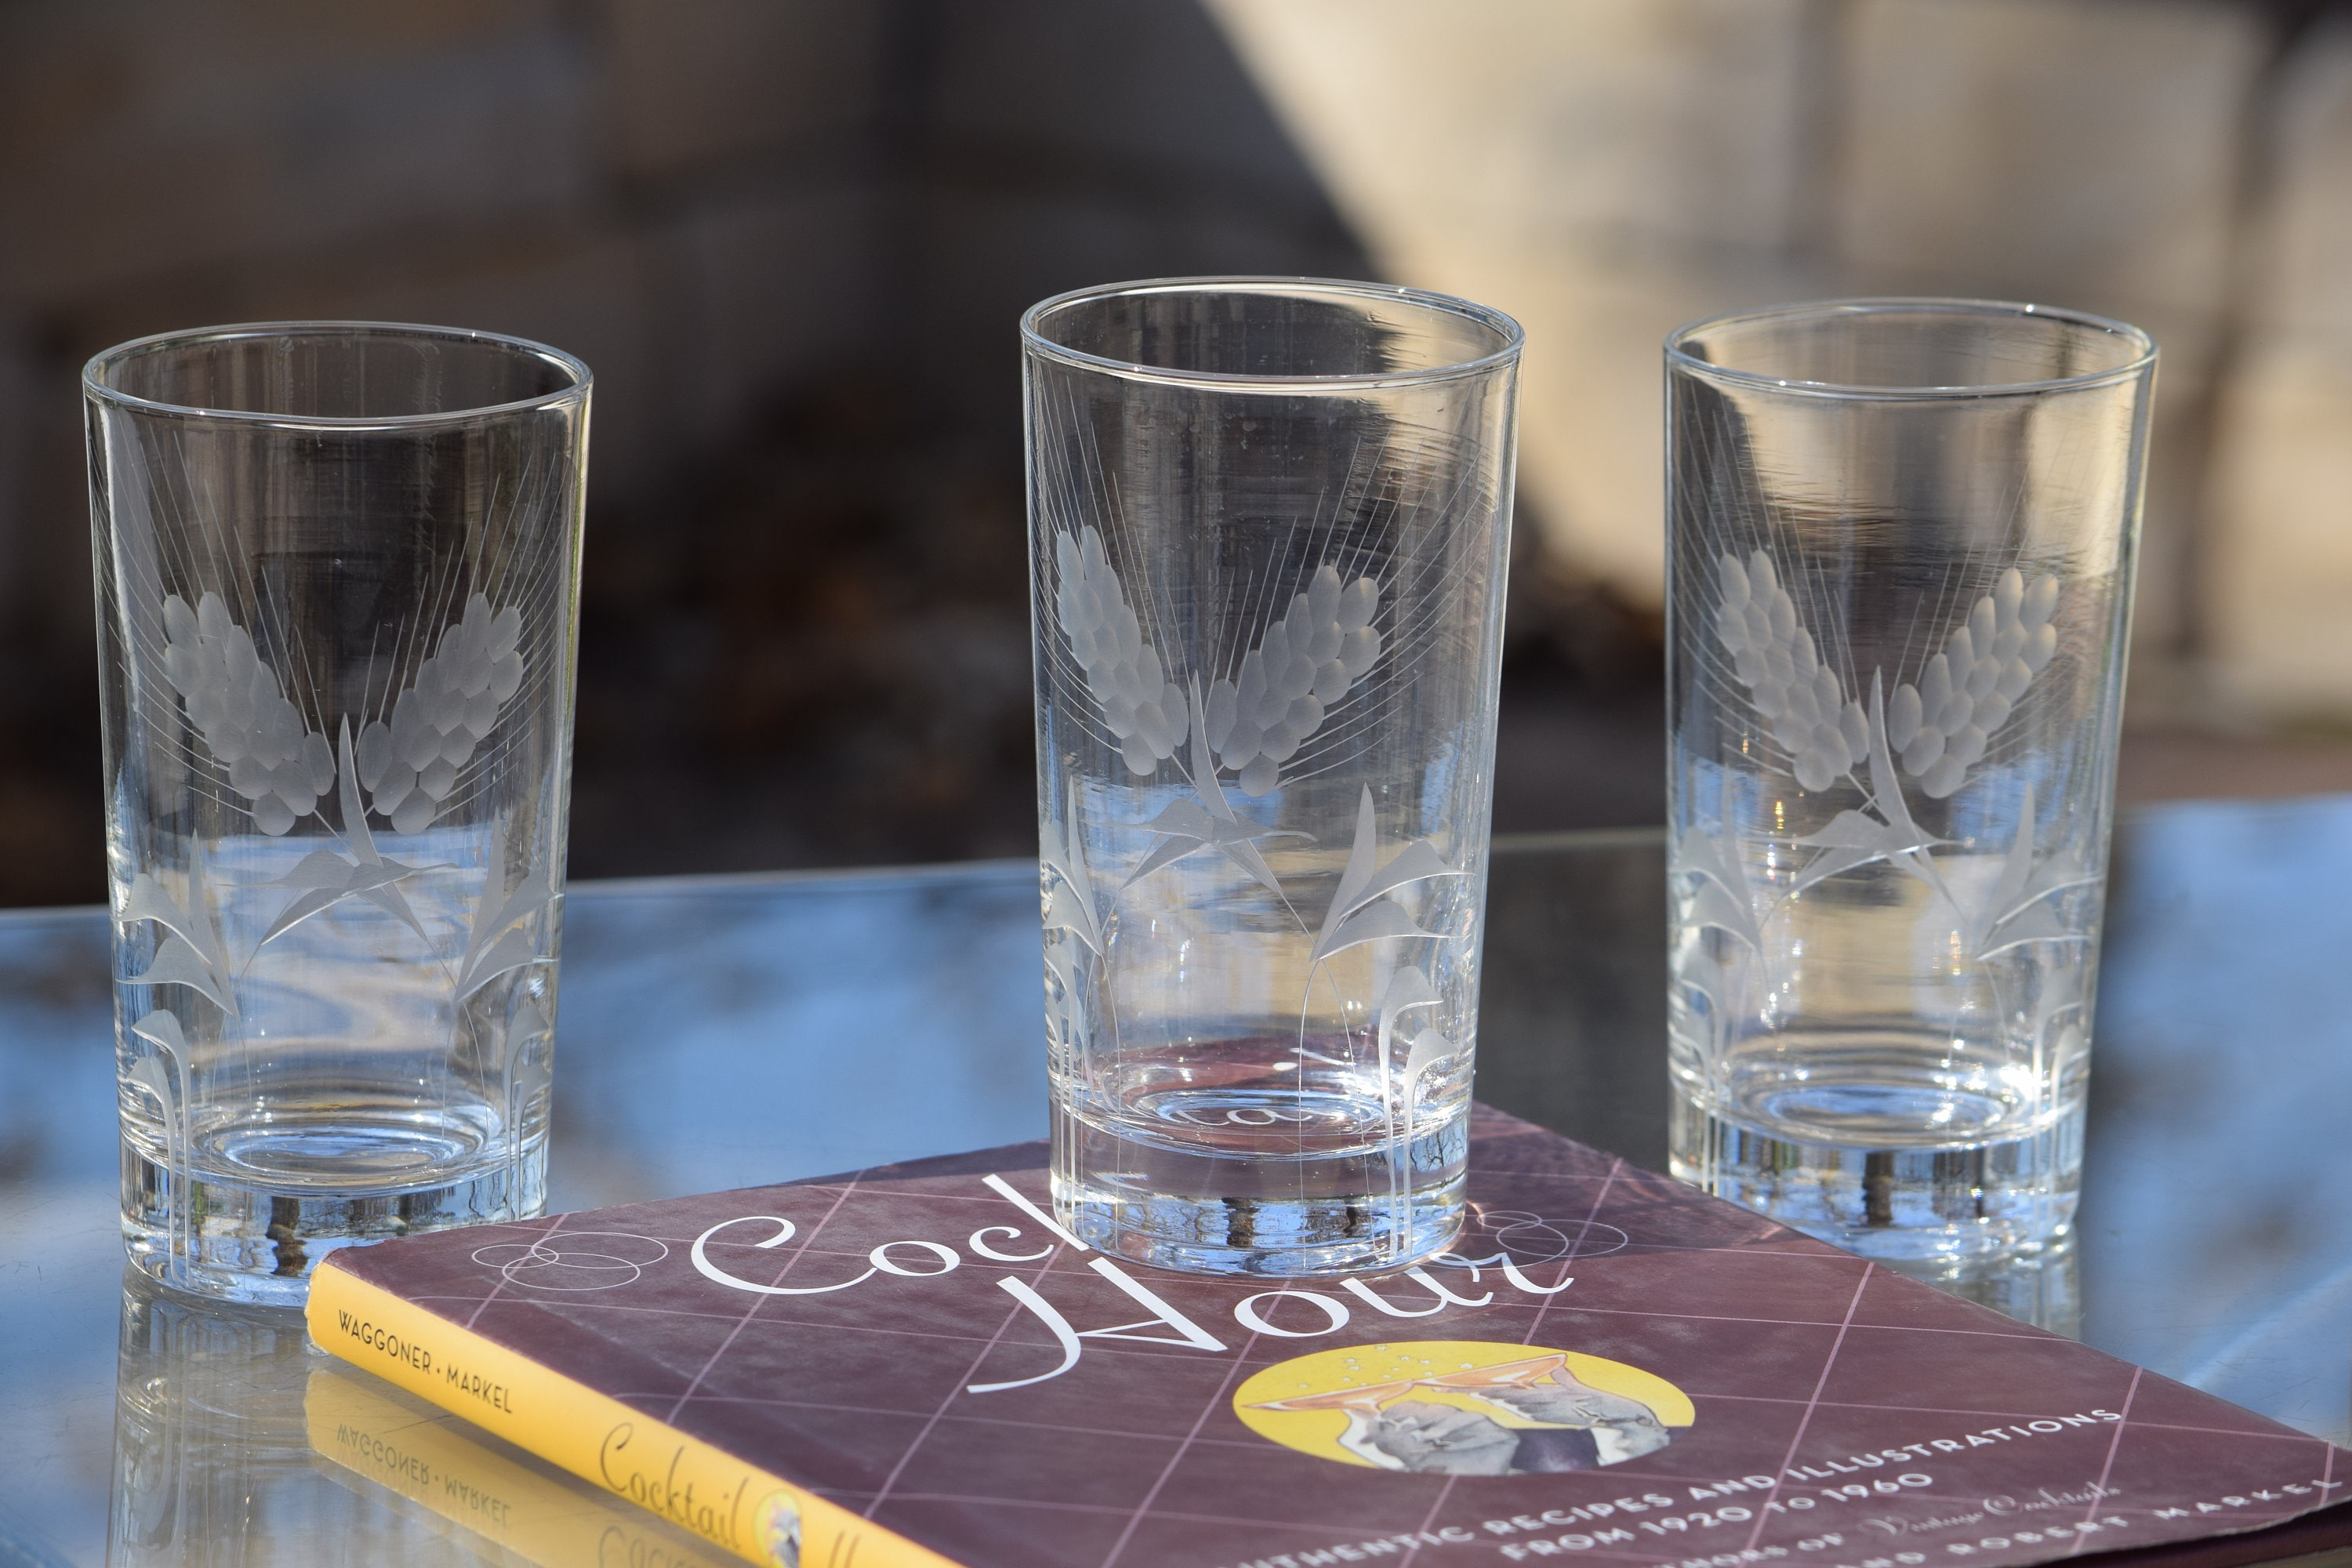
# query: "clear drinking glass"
337,572
1901,538
1269,526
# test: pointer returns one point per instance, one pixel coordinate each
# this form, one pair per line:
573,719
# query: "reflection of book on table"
917,1366
433,1459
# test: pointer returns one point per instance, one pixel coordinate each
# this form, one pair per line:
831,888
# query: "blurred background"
792,238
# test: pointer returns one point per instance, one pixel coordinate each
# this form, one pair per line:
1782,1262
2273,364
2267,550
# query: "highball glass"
338,584
1269,522
1901,537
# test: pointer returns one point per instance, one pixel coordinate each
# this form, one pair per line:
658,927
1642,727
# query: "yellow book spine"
759,1517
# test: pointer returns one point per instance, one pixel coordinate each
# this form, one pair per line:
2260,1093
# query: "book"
917,1366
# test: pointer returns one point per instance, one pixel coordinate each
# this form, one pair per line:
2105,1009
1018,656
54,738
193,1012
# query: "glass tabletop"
723,1032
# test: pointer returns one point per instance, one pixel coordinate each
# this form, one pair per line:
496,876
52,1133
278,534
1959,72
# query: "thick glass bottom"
1906,1204
1262,1199
262,1208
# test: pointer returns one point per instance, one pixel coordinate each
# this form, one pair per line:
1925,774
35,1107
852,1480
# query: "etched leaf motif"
1426,1048
1408,988
410,766
1360,908
1720,898
1855,838
1303,664
2018,909
1065,1003
178,964
1967,691
325,878
530,1066
195,947
162,1028
1070,906
1383,918
148,902
1699,968
235,703
1186,826
155,1073
493,946
1852,838
1144,709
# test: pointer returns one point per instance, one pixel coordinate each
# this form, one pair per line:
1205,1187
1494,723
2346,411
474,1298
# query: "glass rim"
1035,340
100,364
1680,357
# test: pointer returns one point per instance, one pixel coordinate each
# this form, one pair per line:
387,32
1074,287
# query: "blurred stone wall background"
1607,168
792,238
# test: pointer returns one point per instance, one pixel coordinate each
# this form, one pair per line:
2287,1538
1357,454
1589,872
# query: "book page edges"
694,1485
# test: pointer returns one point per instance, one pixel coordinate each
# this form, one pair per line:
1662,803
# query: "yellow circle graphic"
1462,1407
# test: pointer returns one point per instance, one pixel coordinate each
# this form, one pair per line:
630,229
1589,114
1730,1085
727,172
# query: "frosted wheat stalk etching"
286,770
1271,582
1933,730
334,543
235,703
1941,726
410,766
1303,665
1902,538
1144,709
1938,728
1798,697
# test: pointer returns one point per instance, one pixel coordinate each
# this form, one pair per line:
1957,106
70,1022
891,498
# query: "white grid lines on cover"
1321,1527
758,1301
1240,1365
955,1389
1811,1404
950,1416
2098,1492
1215,1400
1594,1312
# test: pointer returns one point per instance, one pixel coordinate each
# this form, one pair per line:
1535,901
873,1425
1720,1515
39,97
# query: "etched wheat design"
1145,710
1940,727
236,703
1799,698
410,764
1937,729
1303,665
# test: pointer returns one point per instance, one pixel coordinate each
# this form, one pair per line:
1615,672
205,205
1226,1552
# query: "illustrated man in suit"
1580,1427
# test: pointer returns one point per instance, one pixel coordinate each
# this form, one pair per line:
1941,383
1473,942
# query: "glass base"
1902,1205
240,1241
1273,1216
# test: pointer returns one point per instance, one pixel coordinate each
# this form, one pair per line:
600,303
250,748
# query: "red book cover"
914,1363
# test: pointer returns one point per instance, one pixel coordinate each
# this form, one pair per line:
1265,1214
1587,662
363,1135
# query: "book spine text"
757,1516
